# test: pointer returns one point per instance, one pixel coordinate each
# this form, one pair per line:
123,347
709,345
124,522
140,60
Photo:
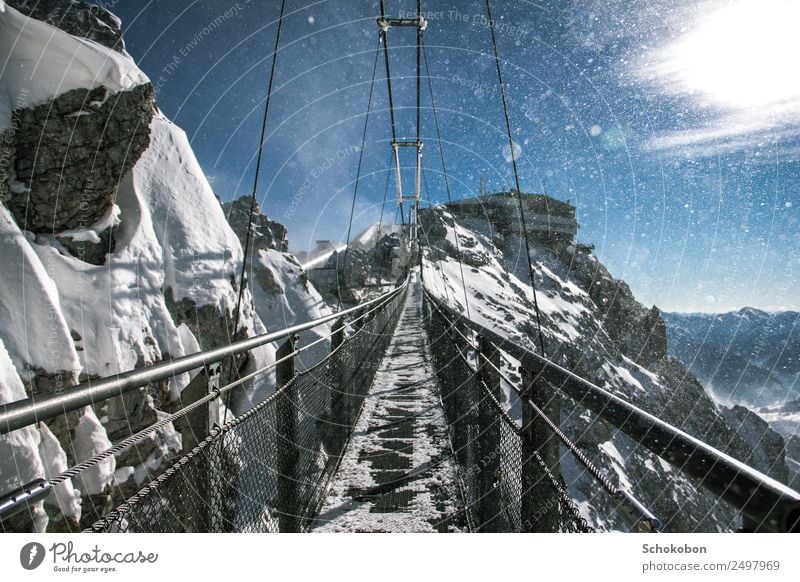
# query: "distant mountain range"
747,357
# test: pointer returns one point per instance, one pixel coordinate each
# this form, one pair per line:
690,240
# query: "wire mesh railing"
267,470
509,490
507,483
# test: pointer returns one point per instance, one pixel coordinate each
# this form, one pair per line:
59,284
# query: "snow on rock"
88,440
618,463
32,325
44,62
122,474
370,236
201,251
67,499
283,297
321,259
20,462
172,238
281,291
97,24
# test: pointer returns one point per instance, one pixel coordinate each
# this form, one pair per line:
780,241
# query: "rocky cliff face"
71,154
282,293
592,324
118,256
639,332
266,234
81,19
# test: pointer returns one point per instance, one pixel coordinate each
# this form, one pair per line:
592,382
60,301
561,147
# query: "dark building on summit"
547,220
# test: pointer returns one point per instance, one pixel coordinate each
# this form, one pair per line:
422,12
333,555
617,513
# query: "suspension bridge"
401,427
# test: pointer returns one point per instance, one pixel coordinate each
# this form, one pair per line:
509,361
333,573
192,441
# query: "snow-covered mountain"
117,254
364,241
785,420
282,293
747,357
593,325
347,274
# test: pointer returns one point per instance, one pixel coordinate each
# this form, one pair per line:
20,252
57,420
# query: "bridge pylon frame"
407,204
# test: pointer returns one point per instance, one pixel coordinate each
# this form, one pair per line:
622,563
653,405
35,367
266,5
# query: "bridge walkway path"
397,473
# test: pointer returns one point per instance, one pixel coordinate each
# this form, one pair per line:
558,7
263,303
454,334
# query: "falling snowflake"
506,151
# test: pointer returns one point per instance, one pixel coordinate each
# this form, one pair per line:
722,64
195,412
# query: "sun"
742,54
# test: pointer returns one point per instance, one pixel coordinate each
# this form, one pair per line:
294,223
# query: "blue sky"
671,125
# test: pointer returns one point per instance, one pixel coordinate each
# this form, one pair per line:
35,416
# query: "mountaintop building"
547,220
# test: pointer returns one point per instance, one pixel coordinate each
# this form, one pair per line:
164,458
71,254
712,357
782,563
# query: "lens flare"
740,55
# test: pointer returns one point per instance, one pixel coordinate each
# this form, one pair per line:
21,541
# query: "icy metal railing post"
194,428
359,321
337,338
287,428
540,512
490,503
335,430
196,425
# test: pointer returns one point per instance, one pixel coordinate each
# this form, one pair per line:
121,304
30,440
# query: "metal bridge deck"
397,474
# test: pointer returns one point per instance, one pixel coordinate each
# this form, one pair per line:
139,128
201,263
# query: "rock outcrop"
638,331
282,293
82,19
96,173
71,154
266,233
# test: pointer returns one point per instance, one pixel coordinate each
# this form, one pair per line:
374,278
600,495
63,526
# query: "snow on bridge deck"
397,474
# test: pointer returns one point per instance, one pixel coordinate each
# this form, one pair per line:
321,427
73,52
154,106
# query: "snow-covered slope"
165,286
599,342
20,461
370,236
364,241
283,296
34,329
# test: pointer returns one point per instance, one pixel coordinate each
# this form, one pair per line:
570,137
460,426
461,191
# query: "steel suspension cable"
255,188
516,175
385,38
385,193
419,70
415,226
442,275
446,179
383,207
358,169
